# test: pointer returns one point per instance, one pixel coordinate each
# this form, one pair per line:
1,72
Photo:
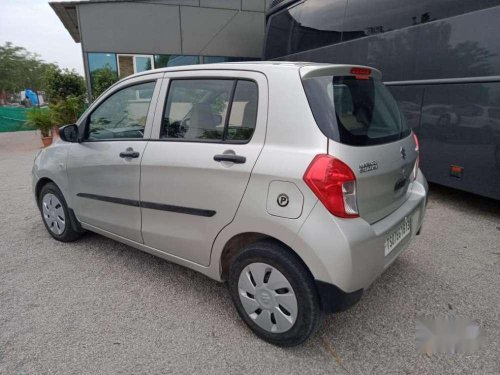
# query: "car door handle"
236,159
129,153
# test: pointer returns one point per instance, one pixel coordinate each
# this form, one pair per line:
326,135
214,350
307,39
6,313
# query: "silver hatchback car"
296,183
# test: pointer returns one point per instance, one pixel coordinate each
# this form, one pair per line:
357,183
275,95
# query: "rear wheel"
274,294
55,214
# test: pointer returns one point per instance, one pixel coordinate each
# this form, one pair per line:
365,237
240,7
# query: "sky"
33,24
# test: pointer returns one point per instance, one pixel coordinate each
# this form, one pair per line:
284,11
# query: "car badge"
368,166
403,153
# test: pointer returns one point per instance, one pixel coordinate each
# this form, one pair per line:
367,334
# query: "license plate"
397,236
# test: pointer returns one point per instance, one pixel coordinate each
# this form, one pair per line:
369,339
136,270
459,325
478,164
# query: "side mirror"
69,133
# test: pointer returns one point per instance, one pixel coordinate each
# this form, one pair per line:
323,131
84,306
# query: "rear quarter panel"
292,141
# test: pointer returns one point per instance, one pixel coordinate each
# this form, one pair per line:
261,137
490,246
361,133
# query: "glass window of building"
164,61
131,64
222,59
103,70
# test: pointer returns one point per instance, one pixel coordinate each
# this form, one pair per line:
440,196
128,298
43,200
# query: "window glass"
122,115
142,63
196,109
243,112
436,10
317,23
278,34
357,112
364,18
221,59
103,70
165,61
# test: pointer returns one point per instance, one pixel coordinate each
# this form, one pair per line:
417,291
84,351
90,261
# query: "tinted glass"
243,112
440,9
361,111
278,34
196,109
142,63
364,18
317,23
164,61
103,69
122,115
463,132
222,59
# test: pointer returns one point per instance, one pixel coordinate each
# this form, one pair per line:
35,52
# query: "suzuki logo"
403,153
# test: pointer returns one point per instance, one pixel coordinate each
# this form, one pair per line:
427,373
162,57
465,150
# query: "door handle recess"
236,159
129,154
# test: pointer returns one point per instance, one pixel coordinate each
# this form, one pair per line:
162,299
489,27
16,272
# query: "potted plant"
41,119
66,111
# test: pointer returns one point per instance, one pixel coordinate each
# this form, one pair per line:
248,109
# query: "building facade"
127,37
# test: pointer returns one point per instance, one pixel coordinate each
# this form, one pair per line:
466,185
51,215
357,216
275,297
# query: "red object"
417,147
417,162
326,176
361,73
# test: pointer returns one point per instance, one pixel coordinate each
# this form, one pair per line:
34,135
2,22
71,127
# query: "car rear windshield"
357,111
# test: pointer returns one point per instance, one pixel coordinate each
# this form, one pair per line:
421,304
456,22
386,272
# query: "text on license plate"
397,236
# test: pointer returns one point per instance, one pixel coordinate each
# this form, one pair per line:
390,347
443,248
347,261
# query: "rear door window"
353,111
210,110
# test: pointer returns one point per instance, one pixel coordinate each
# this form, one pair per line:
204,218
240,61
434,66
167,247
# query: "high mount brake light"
361,73
334,183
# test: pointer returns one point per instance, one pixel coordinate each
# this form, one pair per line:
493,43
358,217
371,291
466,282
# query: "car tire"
55,214
274,294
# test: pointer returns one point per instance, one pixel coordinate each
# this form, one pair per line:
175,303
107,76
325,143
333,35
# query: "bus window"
319,24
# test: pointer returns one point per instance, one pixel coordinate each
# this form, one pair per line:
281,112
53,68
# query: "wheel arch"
239,241
40,184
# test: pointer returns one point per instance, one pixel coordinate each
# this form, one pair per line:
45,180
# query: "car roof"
262,66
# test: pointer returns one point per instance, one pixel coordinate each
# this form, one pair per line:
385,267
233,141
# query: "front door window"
122,115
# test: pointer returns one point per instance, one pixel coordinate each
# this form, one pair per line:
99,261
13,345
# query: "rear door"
210,130
367,132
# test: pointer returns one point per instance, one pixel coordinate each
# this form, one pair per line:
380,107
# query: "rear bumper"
349,253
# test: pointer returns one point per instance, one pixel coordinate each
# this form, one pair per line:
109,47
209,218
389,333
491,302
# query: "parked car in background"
297,184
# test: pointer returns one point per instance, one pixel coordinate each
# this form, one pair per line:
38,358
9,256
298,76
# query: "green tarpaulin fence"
12,119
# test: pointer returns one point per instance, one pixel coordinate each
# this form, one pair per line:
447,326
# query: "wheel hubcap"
267,297
53,213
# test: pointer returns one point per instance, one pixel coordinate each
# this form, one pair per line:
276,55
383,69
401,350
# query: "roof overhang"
66,11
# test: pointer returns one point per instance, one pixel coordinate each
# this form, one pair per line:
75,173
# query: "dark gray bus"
440,59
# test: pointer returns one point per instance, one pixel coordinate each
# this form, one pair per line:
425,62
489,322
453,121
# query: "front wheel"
274,294
55,214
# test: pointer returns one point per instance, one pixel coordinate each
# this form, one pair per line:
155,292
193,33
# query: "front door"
104,169
194,175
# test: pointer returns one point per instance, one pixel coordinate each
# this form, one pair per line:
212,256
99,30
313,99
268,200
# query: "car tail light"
334,183
417,162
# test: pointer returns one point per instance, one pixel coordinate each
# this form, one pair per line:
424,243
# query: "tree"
102,79
61,84
20,69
